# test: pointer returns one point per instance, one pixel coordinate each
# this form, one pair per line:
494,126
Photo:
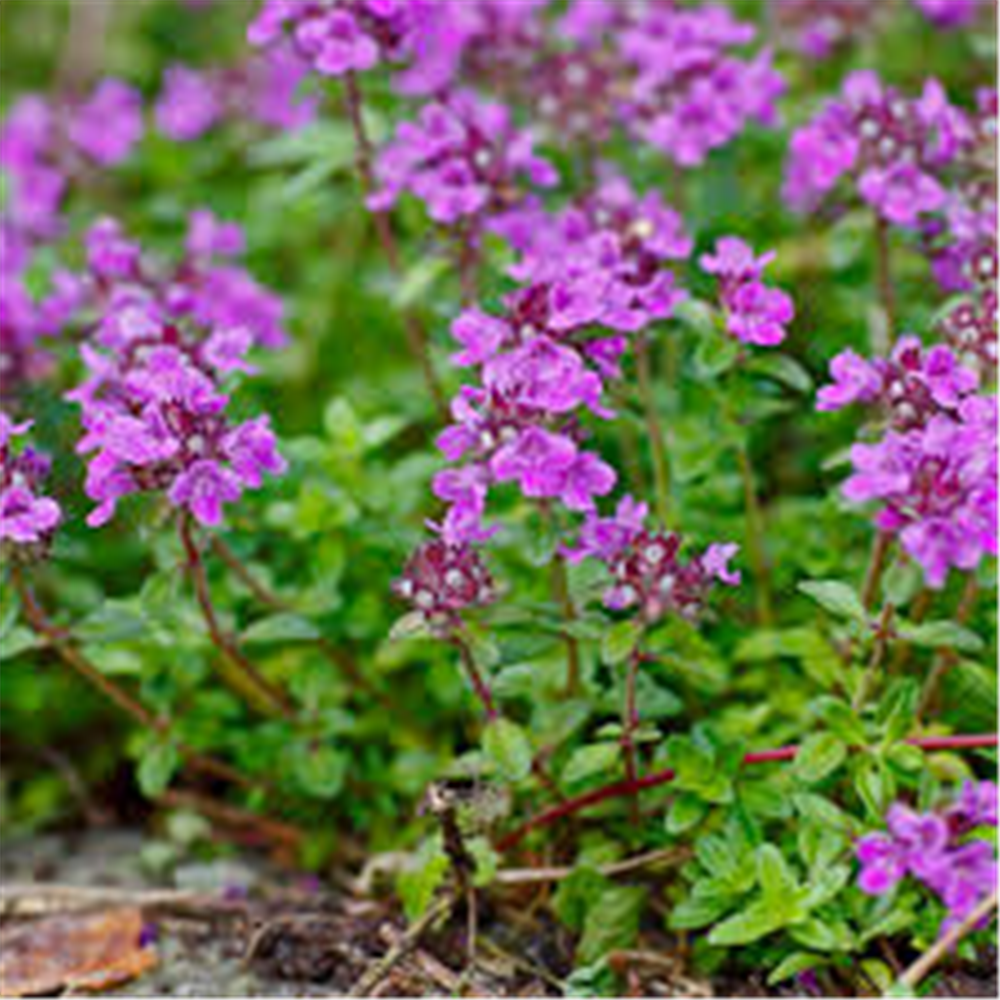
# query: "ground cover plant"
540,457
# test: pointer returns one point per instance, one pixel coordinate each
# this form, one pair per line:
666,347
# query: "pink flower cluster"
153,414
819,28
647,571
754,312
338,37
936,849
27,517
441,580
910,386
41,143
593,268
950,14
463,158
893,148
937,486
264,89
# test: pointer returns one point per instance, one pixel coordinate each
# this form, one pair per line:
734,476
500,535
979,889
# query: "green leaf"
837,597
590,760
620,641
697,912
421,880
793,965
698,771
875,786
755,922
842,720
686,811
320,770
486,859
612,923
815,934
17,640
777,881
941,635
157,765
281,627
508,746
819,756
115,621
785,369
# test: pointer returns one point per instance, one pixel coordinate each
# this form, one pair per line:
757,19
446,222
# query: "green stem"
658,451
883,269
947,658
756,534
882,635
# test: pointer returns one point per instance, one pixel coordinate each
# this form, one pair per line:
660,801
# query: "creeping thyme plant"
588,404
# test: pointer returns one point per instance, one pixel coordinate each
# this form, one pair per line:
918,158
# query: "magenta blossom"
937,485
911,386
932,848
755,313
27,517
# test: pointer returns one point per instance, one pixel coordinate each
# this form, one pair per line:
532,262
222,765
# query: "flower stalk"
620,789
235,669
60,640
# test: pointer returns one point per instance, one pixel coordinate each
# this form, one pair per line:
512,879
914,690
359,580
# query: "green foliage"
381,706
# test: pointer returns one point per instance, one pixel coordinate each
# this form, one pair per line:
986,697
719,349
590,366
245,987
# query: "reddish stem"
479,685
238,672
623,788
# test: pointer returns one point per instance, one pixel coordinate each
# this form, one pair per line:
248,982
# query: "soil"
244,928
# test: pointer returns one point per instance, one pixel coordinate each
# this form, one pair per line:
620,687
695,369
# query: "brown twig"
620,789
661,857
377,972
912,977
233,666
416,335
60,640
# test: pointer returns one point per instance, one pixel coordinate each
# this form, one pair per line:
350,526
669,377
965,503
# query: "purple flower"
538,460
463,158
481,336
930,847
109,123
911,386
937,485
949,13
154,418
26,516
188,105
203,487
441,580
343,36
894,149
604,538
755,313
